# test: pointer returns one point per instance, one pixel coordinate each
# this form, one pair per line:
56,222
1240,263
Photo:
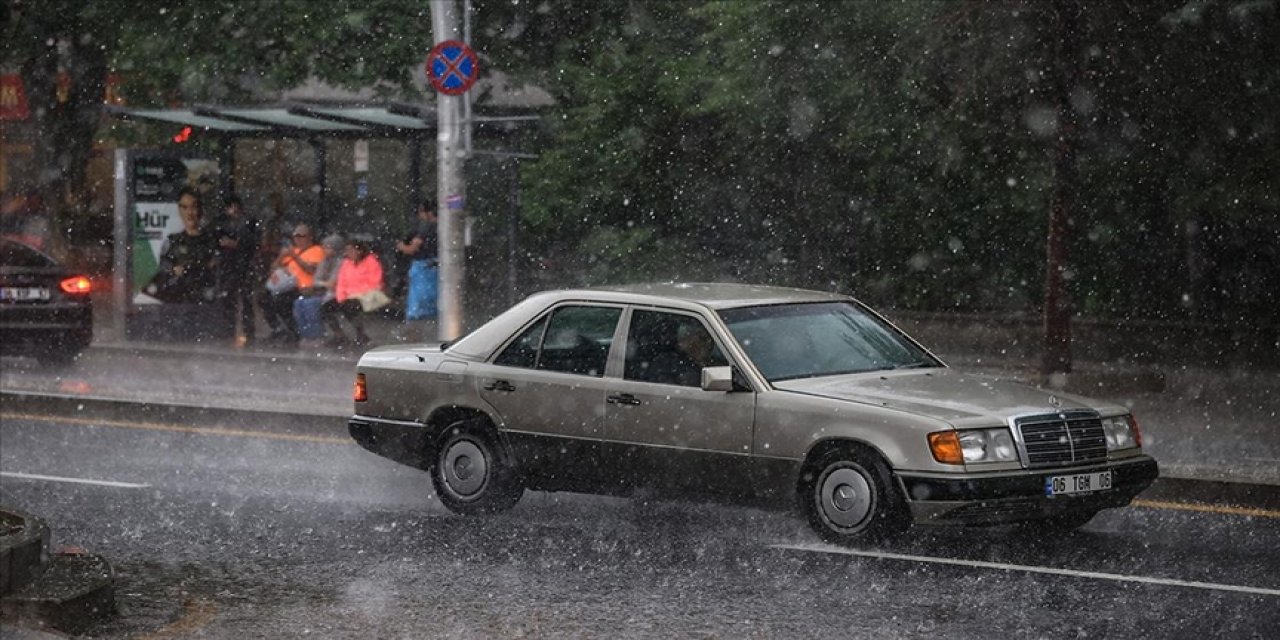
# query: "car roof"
717,295
481,342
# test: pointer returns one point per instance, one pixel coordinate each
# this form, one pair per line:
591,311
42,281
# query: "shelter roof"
296,120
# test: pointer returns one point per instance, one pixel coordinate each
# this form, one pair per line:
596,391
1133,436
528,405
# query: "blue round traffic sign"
452,67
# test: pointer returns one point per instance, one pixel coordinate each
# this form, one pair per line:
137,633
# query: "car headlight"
973,446
1122,432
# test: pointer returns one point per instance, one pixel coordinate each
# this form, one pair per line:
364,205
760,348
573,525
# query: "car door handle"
622,398
500,385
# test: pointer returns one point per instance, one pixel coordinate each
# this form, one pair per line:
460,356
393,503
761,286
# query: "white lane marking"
1096,575
101,483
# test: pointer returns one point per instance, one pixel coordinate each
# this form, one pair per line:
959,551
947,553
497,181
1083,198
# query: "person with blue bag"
306,309
422,247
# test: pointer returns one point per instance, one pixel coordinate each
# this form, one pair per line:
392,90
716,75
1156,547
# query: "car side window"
669,348
577,340
523,352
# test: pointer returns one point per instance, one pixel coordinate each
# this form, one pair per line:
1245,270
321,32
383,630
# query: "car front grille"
1062,439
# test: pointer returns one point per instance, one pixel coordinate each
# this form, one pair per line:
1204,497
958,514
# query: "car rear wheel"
850,497
471,474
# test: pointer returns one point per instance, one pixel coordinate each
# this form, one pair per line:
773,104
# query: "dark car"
45,311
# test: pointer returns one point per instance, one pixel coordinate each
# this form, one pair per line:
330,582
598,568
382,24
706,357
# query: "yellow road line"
1207,508
175,428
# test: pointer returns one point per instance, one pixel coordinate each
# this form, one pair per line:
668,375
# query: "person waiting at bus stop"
293,270
420,303
237,245
359,290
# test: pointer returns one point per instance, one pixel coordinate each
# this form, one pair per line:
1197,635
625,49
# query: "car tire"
472,474
850,496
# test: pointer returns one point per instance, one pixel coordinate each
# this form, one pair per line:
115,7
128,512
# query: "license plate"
1080,483
24,294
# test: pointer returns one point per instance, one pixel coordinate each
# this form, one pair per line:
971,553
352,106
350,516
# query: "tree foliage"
899,150
903,151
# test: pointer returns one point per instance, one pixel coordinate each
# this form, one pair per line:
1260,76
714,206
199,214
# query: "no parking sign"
452,67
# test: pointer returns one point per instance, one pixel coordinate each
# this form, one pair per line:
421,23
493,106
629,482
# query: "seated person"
306,309
359,289
293,270
185,272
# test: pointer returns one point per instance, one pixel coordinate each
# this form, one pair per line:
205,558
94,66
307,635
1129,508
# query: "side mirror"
717,379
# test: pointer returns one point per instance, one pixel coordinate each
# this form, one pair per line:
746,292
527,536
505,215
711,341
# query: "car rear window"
13,254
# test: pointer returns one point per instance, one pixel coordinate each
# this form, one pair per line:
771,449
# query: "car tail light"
361,393
945,446
1137,433
77,284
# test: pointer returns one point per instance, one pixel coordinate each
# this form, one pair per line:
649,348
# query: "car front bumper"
1019,496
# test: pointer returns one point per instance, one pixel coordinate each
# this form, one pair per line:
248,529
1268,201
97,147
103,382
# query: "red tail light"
361,392
77,284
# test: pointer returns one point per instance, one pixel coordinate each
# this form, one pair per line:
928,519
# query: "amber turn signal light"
1133,428
361,393
78,284
945,446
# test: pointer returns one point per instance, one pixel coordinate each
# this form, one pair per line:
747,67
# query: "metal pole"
415,177
513,223
322,182
450,187
467,115
227,168
122,264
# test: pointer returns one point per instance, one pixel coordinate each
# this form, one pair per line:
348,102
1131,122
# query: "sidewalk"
1200,424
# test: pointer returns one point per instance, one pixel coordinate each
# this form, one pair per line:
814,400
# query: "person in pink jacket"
359,277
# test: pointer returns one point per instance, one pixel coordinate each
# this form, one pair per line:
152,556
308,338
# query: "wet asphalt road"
231,529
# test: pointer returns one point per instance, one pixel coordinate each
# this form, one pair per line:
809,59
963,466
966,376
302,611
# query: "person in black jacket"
186,270
237,274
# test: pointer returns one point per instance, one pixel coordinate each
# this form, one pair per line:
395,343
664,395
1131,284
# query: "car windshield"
822,339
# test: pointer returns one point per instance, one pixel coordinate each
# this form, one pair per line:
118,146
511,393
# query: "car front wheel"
849,497
471,474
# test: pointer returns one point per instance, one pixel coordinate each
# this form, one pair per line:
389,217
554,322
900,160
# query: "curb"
67,592
23,550
74,593
227,354
288,421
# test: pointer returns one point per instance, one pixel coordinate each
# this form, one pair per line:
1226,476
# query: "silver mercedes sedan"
755,395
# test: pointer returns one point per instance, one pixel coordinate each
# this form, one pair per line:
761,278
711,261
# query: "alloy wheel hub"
464,469
845,497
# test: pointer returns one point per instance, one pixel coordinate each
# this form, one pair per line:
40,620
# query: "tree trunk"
1056,354
65,125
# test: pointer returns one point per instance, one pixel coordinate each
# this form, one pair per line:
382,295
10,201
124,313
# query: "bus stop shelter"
315,123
